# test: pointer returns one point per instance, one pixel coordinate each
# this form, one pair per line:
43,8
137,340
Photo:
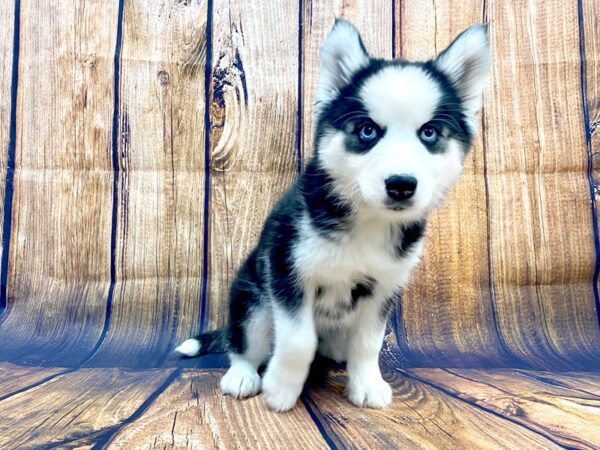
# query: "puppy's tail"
209,342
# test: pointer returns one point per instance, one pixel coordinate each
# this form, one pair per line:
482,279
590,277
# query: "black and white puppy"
391,138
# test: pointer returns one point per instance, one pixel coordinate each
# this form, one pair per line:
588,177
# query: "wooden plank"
253,117
374,22
59,261
192,413
133,409
85,402
161,182
420,417
448,312
586,381
565,414
7,54
15,378
589,47
542,244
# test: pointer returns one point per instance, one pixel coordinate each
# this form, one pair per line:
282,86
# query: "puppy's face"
391,134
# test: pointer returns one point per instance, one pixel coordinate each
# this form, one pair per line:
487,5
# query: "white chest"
337,265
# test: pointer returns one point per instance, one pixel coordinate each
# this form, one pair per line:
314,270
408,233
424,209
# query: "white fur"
335,265
404,96
242,378
366,386
189,347
295,346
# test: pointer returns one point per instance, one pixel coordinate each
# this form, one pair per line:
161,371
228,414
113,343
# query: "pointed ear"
466,62
342,55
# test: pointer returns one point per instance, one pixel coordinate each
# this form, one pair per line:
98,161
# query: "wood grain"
511,260
160,186
192,413
589,47
447,314
112,408
420,416
85,402
563,412
541,232
587,381
59,261
253,148
7,53
14,378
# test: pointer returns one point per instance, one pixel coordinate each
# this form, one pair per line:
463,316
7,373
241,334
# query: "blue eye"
428,134
368,133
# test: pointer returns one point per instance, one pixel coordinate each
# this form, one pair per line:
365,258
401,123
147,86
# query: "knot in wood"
90,60
163,77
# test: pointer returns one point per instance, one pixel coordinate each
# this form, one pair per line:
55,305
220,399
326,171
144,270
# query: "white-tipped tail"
190,347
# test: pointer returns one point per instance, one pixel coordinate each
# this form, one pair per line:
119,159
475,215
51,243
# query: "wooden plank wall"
150,139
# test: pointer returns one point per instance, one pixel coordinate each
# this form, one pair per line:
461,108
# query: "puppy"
337,249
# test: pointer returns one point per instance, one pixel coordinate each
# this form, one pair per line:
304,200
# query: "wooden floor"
142,143
183,408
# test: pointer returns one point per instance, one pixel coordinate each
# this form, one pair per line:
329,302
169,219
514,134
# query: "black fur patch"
277,241
407,236
328,212
245,295
361,290
319,292
212,342
449,115
249,287
346,111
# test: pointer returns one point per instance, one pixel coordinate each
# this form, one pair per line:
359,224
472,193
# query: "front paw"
278,395
240,382
372,394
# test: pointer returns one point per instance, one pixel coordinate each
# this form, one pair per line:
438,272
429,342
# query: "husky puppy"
338,248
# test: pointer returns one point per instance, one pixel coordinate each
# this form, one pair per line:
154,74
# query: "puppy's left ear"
466,62
342,55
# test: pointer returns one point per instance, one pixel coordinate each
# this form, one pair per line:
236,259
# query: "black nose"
401,187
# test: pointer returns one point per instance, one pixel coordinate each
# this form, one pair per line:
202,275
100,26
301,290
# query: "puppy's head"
392,135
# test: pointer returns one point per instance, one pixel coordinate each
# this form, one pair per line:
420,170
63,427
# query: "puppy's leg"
366,386
248,331
295,346
242,379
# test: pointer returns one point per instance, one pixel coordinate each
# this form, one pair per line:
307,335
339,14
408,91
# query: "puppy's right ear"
342,55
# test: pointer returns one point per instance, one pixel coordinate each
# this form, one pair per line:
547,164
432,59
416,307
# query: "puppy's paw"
372,393
280,399
278,395
240,382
